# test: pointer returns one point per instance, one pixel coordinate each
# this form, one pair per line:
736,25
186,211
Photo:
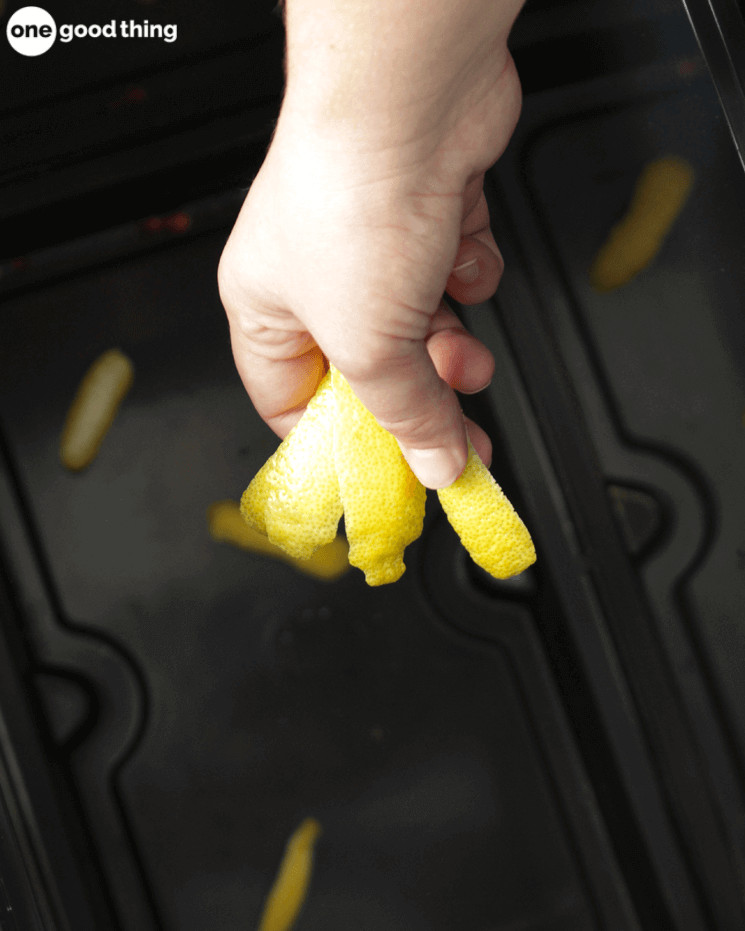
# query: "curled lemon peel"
487,524
383,500
290,888
226,525
659,196
338,459
294,499
94,408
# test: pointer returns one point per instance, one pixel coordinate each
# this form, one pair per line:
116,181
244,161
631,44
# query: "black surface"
655,370
97,132
250,696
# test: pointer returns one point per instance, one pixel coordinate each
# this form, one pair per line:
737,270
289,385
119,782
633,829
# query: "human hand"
347,241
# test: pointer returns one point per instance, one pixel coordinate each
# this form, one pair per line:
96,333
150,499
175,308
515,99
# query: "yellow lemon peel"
339,459
94,408
294,499
376,485
487,524
660,194
290,888
226,525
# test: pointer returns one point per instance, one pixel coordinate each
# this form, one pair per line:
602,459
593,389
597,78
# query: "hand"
344,247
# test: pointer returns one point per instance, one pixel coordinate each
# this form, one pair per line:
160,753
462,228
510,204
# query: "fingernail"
435,468
475,390
468,272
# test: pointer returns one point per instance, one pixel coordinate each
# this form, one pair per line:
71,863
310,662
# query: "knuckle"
362,362
420,425
420,431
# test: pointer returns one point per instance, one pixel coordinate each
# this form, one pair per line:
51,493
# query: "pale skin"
369,207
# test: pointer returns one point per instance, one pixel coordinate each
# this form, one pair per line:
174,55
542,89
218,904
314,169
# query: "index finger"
280,379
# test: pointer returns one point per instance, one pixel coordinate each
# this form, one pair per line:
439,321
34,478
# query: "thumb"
409,399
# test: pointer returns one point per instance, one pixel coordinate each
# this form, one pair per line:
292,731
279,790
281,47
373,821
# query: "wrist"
390,80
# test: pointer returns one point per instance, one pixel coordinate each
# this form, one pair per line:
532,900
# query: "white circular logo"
31,31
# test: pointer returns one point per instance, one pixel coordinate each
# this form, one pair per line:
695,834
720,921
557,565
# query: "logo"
32,31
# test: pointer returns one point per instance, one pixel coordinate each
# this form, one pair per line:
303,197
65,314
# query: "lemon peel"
226,525
94,408
290,888
339,459
383,500
294,499
660,194
486,522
